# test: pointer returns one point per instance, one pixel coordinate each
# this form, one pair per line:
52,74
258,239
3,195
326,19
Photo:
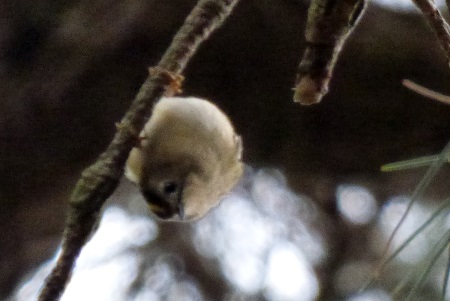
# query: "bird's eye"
170,187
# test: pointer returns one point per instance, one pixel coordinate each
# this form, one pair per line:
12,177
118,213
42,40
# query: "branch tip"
329,24
310,91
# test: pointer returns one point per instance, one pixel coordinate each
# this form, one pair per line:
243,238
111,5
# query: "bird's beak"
181,211
180,204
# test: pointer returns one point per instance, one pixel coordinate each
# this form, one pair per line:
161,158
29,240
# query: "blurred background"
313,212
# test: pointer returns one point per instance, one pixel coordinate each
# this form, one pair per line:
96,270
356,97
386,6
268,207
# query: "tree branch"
99,180
437,23
329,24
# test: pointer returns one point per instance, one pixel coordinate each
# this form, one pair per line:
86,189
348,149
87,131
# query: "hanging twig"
329,24
99,180
437,23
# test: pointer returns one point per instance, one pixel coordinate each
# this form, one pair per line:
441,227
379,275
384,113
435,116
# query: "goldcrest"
189,157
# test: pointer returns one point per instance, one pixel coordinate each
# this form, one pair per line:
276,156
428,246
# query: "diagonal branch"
329,24
99,180
437,23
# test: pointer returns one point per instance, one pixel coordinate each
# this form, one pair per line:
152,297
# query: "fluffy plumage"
189,157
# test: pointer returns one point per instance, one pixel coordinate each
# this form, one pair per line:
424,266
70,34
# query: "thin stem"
409,164
447,274
418,192
99,180
421,90
439,248
422,227
418,230
415,271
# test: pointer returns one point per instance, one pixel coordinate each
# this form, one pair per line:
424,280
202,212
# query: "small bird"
188,157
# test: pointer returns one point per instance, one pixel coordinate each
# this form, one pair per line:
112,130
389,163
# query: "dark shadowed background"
69,70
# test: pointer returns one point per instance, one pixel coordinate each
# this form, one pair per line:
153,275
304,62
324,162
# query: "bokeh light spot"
356,204
289,275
